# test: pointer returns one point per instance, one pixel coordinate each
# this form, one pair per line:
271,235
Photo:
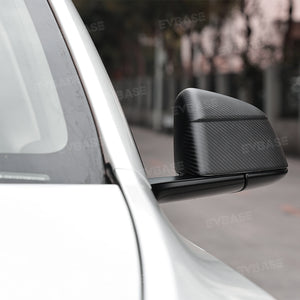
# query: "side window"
47,132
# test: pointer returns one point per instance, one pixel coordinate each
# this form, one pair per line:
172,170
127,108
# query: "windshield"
47,133
31,117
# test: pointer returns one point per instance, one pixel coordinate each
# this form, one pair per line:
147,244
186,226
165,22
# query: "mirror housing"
221,144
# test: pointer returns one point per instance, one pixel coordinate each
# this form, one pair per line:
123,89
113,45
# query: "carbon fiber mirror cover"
219,135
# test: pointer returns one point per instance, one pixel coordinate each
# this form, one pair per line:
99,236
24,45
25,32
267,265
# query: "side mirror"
221,145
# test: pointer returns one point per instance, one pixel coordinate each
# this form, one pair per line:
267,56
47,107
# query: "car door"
65,231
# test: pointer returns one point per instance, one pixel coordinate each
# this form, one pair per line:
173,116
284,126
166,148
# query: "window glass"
47,132
31,116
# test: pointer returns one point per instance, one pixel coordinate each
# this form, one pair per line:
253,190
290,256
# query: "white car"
79,219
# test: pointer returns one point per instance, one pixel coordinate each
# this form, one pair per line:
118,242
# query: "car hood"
67,242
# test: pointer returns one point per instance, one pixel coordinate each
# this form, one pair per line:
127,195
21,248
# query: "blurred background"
247,49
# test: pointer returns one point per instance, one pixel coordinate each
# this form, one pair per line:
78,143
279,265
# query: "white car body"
107,242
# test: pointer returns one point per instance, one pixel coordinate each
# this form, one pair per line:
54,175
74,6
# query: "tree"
126,21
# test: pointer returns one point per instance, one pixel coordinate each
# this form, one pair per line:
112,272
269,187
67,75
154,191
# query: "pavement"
256,232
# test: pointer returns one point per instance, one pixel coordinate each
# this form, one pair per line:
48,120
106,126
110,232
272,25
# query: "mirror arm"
174,188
